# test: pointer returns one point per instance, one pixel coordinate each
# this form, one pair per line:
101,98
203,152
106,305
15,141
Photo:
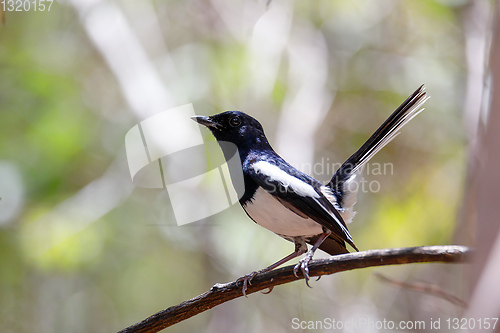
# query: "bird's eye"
235,121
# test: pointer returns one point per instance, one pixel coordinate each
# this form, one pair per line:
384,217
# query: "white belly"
269,213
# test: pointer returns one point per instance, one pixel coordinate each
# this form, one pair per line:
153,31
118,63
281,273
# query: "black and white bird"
291,203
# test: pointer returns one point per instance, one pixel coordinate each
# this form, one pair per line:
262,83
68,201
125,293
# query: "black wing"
303,196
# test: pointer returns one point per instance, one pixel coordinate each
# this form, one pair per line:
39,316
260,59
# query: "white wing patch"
274,173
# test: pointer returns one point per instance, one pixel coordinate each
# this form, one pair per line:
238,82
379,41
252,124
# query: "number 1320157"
26,5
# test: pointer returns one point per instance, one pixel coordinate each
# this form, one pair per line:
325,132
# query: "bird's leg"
300,248
303,263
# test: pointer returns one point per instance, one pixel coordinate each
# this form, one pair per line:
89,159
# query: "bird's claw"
303,264
247,280
268,291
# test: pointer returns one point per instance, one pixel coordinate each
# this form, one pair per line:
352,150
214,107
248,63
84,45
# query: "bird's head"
235,127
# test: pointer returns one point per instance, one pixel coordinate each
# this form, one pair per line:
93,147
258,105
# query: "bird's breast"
269,213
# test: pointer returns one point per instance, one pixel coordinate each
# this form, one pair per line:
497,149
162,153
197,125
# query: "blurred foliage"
87,252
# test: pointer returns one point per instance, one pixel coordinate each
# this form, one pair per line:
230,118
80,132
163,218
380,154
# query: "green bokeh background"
86,251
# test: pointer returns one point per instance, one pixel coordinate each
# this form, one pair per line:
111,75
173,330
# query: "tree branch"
427,288
221,293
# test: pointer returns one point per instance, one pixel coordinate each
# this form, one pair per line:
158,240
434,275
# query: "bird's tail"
344,182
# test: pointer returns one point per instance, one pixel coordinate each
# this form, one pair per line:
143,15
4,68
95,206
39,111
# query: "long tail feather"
347,173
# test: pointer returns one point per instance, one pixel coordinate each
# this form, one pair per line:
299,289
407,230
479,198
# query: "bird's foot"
246,280
303,264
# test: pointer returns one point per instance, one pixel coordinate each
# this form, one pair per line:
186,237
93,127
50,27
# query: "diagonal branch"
221,293
427,288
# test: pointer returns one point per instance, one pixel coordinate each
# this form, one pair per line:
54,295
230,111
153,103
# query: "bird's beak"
205,121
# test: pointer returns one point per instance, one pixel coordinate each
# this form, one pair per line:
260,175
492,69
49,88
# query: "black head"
235,127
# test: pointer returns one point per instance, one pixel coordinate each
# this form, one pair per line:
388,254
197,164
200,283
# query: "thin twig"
221,293
426,288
